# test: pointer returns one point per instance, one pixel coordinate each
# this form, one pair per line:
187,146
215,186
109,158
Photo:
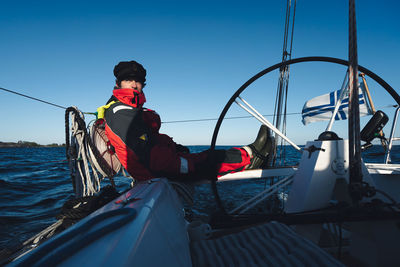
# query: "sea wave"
33,189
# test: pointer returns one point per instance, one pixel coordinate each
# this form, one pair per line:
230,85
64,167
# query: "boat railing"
392,138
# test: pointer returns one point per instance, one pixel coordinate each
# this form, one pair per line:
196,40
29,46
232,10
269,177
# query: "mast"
283,84
354,111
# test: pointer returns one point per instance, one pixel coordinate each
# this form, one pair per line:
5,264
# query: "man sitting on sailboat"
145,153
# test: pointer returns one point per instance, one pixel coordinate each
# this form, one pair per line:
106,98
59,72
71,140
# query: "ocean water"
35,183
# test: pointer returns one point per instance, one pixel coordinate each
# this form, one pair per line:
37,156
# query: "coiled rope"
79,155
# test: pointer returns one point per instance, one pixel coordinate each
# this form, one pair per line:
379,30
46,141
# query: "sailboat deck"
270,244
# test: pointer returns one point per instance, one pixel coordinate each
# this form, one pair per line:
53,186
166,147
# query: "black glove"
182,149
208,168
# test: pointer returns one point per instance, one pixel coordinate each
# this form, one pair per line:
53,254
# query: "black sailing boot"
259,149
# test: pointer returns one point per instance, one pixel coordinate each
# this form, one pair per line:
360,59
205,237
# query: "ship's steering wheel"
236,95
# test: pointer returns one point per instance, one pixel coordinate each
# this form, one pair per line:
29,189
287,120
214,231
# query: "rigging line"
249,116
40,100
10,91
283,83
291,40
287,19
226,118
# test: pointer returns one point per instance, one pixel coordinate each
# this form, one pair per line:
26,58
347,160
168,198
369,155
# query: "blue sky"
197,54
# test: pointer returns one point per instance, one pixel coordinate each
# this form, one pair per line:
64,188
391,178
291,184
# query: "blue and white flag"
321,108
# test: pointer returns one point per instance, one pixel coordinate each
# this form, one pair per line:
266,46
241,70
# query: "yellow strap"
101,110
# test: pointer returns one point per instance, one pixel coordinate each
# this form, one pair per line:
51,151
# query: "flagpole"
339,102
354,111
372,104
368,94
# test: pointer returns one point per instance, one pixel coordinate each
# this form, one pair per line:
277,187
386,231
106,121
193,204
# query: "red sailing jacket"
141,149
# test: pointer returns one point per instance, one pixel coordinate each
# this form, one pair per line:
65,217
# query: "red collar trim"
131,97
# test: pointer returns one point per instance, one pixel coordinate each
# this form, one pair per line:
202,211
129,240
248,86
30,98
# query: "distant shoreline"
25,144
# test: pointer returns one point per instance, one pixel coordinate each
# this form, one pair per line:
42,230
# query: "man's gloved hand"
182,149
209,168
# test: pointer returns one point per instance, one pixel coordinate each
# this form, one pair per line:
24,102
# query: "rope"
185,191
90,184
249,116
78,237
33,98
165,122
79,155
78,208
291,39
227,118
40,100
72,211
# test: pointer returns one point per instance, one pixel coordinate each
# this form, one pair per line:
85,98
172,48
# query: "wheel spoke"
264,121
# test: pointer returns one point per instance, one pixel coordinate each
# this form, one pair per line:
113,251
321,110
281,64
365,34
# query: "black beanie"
126,70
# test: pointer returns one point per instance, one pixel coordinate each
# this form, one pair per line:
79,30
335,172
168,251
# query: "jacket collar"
131,97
